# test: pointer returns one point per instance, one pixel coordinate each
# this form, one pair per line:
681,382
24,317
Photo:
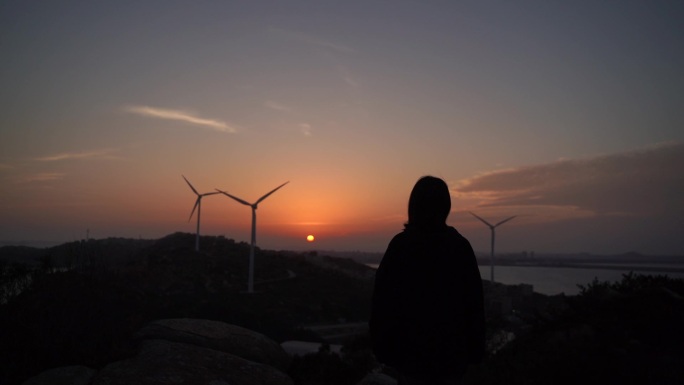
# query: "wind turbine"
492,227
198,206
250,279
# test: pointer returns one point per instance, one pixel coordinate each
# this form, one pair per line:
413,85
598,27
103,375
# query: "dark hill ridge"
76,253
21,254
88,314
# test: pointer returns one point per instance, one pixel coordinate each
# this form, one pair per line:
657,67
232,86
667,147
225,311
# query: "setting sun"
310,238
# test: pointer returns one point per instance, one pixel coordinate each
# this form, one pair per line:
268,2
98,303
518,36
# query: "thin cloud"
4,166
347,77
350,81
312,40
305,129
310,223
42,177
182,116
98,154
277,106
647,182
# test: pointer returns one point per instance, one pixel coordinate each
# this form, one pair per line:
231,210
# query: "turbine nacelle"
492,227
244,202
489,224
198,207
250,280
198,202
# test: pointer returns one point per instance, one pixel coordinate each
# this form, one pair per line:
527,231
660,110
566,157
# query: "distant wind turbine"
492,227
250,279
198,207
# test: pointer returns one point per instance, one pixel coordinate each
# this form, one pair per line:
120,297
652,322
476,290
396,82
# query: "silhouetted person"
427,319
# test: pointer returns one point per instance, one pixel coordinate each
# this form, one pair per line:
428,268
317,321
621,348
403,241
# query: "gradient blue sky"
568,114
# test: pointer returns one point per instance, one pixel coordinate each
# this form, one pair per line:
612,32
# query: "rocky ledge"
186,351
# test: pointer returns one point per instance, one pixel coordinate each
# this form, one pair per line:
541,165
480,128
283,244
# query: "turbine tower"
250,279
198,206
492,227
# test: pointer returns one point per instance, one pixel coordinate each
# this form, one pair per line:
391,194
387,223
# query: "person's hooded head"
429,204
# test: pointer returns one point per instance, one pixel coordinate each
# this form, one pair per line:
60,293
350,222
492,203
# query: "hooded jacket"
427,313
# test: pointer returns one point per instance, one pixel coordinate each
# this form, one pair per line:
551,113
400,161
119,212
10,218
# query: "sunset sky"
569,114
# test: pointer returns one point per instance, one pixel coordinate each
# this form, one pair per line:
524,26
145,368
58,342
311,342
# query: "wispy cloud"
42,177
310,223
347,77
647,181
305,129
181,116
97,154
277,106
4,166
313,40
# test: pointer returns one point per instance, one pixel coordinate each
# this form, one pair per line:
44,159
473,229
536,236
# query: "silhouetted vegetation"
87,315
325,367
627,332
81,303
15,277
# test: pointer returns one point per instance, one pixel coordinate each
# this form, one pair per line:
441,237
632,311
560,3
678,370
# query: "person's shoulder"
456,236
453,232
395,249
399,238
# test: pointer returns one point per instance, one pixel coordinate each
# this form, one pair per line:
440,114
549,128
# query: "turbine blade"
197,202
505,220
210,193
236,198
271,192
483,221
188,182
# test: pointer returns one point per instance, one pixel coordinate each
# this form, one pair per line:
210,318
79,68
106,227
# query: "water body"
557,280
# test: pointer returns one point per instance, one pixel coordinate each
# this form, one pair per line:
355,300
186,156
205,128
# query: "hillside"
82,302
88,314
628,332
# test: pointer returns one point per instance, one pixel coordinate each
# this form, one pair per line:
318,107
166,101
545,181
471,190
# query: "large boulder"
219,336
377,379
68,375
162,362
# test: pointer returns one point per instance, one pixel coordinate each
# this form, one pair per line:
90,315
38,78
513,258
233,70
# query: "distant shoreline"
652,268
631,267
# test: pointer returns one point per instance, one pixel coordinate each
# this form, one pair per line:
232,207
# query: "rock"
162,362
219,336
377,379
68,375
301,348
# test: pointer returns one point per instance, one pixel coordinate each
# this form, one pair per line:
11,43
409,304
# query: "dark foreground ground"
84,301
